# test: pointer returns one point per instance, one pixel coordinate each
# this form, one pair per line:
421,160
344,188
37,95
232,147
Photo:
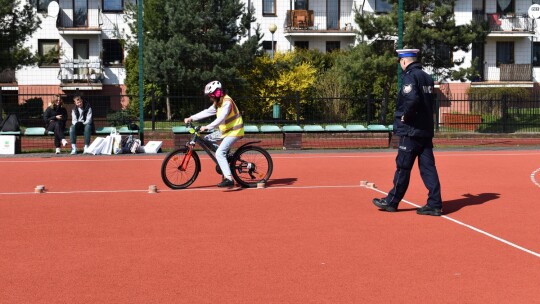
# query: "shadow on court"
281,181
468,200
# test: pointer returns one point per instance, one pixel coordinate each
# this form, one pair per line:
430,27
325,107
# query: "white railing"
81,71
318,21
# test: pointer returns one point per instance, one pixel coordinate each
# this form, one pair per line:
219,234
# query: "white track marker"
152,189
39,189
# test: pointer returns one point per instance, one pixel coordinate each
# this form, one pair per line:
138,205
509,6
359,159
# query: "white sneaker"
85,148
57,150
64,142
73,151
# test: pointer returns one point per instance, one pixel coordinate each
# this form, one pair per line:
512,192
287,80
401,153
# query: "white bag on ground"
152,146
136,147
117,144
106,147
95,147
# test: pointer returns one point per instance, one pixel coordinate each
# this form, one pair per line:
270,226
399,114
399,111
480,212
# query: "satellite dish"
53,9
534,11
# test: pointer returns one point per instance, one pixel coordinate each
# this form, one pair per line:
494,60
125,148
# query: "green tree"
430,26
278,80
189,43
368,71
16,24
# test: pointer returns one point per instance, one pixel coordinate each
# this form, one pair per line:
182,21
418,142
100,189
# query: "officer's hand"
403,118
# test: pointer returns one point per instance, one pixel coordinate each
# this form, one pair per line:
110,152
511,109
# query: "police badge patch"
407,88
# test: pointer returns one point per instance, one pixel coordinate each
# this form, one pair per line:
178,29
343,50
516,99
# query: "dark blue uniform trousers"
409,149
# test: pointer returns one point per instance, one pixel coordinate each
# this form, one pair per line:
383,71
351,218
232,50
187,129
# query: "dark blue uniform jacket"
415,102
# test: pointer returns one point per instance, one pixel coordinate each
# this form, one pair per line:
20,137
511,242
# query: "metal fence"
464,114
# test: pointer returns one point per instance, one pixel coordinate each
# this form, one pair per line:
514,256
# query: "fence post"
384,107
368,108
437,110
504,112
152,96
297,100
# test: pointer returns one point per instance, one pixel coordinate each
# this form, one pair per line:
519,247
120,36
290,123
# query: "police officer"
413,123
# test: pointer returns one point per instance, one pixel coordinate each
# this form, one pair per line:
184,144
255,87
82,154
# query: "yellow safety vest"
233,124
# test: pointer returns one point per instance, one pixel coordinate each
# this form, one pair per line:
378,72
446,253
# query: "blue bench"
355,128
335,128
104,130
292,129
127,131
270,129
251,129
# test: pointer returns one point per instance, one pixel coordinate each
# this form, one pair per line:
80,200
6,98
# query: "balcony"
79,22
82,74
514,75
312,23
510,25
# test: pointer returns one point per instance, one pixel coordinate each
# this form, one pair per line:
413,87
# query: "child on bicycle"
231,126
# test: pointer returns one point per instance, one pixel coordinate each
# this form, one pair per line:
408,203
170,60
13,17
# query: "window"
80,13
301,44
113,5
267,47
42,5
505,7
80,49
269,7
536,54
382,6
301,4
332,45
113,52
48,52
505,53
332,14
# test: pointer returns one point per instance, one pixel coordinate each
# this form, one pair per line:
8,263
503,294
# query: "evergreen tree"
428,25
189,43
16,24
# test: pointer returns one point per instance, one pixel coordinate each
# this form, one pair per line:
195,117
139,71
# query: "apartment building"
80,49
509,57
87,36
312,24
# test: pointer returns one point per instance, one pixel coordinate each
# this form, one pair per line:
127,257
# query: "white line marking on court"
533,178
171,190
289,187
536,254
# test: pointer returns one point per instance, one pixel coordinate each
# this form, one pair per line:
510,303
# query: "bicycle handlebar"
189,125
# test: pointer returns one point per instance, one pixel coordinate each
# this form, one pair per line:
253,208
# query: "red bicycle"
249,164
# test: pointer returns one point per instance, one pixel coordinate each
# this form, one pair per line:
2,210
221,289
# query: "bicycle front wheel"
251,165
180,168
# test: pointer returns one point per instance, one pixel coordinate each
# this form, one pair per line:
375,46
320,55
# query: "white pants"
221,152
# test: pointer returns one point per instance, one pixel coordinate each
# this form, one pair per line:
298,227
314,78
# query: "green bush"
120,118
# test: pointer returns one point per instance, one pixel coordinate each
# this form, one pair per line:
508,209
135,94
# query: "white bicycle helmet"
211,87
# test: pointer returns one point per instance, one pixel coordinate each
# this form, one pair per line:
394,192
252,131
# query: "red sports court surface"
312,236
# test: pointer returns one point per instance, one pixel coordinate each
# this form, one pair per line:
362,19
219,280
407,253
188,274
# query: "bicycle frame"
196,138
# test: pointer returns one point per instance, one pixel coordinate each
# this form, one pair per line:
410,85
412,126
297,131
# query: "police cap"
407,53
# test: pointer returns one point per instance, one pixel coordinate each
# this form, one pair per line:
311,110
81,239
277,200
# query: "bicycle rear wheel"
251,165
180,168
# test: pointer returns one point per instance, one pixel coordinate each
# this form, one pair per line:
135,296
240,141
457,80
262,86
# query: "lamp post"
272,28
